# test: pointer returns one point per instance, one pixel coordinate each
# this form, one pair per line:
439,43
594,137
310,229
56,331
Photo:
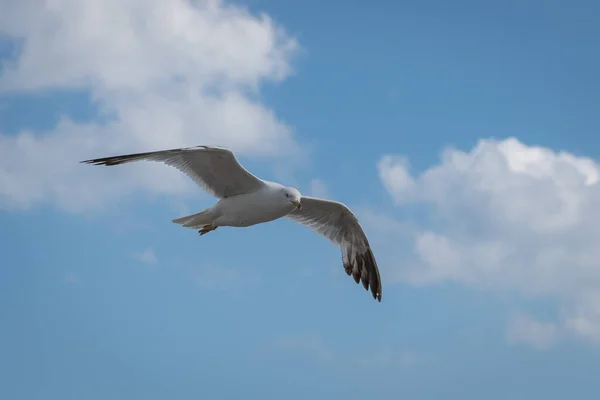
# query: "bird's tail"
196,221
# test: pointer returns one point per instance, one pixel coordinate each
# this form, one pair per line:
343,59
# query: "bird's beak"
297,204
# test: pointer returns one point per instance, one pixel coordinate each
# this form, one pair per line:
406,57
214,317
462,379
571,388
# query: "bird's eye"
287,195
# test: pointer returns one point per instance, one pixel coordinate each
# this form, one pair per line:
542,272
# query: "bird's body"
245,200
250,209
244,210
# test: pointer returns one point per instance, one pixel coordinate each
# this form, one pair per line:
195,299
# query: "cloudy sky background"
464,136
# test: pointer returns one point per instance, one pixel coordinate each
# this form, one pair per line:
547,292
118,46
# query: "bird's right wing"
215,169
337,223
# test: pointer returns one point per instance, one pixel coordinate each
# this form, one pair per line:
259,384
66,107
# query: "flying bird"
245,200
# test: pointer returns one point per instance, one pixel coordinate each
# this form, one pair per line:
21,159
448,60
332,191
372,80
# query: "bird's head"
293,196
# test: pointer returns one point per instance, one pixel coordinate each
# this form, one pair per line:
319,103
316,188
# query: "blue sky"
471,128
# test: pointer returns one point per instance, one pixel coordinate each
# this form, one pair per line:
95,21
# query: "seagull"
245,200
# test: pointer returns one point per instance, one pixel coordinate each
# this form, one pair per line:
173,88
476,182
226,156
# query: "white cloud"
395,176
582,316
318,188
524,329
391,357
147,256
232,281
70,279
315,346
306,344
164,73
509,217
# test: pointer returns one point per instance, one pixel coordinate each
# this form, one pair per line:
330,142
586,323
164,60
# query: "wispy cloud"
146,256
223,279
305,344
314,346
525,329
70,279
318,188
392,358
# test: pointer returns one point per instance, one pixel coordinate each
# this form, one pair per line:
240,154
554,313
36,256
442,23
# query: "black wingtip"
97,161
108,161
363,269
376,293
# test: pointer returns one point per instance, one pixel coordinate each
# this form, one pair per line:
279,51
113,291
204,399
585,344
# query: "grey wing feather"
337,223
215,169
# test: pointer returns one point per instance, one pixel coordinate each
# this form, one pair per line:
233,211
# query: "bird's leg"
206,228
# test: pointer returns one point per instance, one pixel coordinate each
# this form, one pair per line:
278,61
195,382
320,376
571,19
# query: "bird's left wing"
215,169
337,223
